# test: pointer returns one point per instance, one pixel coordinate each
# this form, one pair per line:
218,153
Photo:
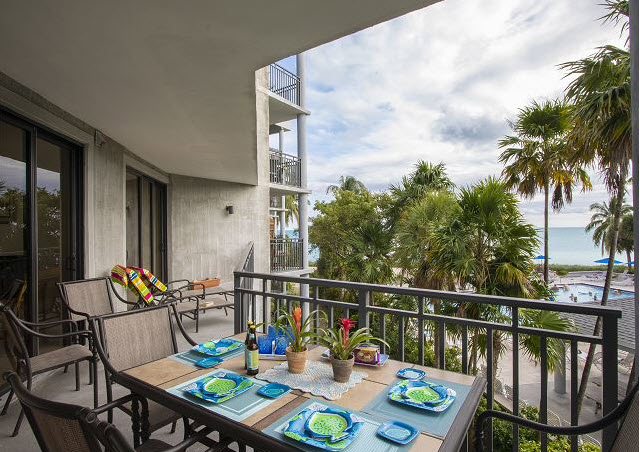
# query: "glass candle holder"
282,342
265,345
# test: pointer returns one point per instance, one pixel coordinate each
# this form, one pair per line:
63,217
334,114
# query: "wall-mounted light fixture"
229,210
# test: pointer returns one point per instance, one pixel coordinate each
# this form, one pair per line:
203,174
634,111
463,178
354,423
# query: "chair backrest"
14,345
63,427
136,337
86,297
627,438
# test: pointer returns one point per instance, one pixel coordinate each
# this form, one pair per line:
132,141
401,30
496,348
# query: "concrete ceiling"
173,81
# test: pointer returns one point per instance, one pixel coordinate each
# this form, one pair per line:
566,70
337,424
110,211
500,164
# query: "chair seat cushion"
153,445
59,357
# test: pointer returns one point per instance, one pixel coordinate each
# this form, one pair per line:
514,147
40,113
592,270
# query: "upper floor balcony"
284,169
284,95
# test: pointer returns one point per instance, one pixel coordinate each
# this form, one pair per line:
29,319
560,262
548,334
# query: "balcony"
286,254
284,95
284,169
415,332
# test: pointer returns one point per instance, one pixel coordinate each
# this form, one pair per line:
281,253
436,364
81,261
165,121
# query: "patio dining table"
159,379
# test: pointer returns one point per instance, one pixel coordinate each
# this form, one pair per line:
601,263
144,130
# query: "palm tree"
626,238
347,183
536,160
424,178
291,206
601,134
369,256
602,222
413,248
487,245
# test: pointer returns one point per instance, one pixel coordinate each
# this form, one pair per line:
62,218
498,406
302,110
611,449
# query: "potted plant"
299,336
342,343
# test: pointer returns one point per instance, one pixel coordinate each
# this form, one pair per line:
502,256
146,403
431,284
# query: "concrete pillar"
560,374
283,215
303,213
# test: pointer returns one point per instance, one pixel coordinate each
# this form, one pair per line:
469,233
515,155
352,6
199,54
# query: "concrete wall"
203,239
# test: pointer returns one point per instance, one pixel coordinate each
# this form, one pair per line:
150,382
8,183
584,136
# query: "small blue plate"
273,390
411,374
398,432
219,347
208,362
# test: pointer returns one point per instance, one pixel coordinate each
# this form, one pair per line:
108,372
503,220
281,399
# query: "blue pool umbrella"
540,257
605,260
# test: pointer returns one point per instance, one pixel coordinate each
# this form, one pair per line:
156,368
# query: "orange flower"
297,317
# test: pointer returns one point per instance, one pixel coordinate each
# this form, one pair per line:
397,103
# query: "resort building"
138,133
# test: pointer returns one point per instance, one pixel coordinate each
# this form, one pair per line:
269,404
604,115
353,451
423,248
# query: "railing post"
364,299
609,376
237,305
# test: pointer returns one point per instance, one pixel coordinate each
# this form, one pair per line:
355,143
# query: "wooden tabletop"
168,372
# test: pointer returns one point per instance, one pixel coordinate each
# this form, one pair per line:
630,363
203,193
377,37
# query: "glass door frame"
141,179
75,266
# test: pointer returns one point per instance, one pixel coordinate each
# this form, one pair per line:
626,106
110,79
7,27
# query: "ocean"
566,246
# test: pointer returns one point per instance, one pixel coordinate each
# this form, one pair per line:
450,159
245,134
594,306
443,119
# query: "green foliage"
603,222
563,269
557,445
452,357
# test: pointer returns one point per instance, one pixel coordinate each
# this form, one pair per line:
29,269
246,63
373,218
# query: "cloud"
439,84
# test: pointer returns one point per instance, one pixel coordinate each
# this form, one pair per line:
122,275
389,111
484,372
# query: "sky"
439,84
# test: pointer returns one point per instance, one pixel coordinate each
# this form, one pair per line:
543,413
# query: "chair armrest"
85,333
51,323
121,401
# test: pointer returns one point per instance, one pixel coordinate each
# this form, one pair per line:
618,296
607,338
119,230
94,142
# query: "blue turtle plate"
398,432
408,392
296,430
219,347
210,394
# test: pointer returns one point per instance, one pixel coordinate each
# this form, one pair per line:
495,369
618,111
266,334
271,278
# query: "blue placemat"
437,424
238,408
191,356
366,441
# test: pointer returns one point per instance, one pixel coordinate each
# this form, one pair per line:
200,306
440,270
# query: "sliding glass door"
40,221
146,201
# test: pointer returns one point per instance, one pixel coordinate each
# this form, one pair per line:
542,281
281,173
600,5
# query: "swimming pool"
584,293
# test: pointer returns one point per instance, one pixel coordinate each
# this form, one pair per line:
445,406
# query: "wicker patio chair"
27,366
626,440
133,338
62,427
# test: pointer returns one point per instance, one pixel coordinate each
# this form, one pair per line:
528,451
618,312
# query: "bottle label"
253,360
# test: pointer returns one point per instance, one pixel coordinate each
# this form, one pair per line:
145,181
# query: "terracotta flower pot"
342,369
297,361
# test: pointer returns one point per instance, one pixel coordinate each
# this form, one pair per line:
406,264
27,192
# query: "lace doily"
317,379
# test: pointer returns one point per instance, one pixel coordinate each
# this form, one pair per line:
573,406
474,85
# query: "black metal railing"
284,169
411,325
286,254
284,83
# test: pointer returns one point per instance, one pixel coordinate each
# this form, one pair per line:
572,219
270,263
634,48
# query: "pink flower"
346,325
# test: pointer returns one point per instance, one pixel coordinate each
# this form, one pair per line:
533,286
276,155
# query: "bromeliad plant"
342,342
297,329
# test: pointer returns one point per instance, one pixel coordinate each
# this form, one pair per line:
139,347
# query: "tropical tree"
488,246
602,223
425,177
347,183
291,206
413,253
626,238
601,133
536,159
369,258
